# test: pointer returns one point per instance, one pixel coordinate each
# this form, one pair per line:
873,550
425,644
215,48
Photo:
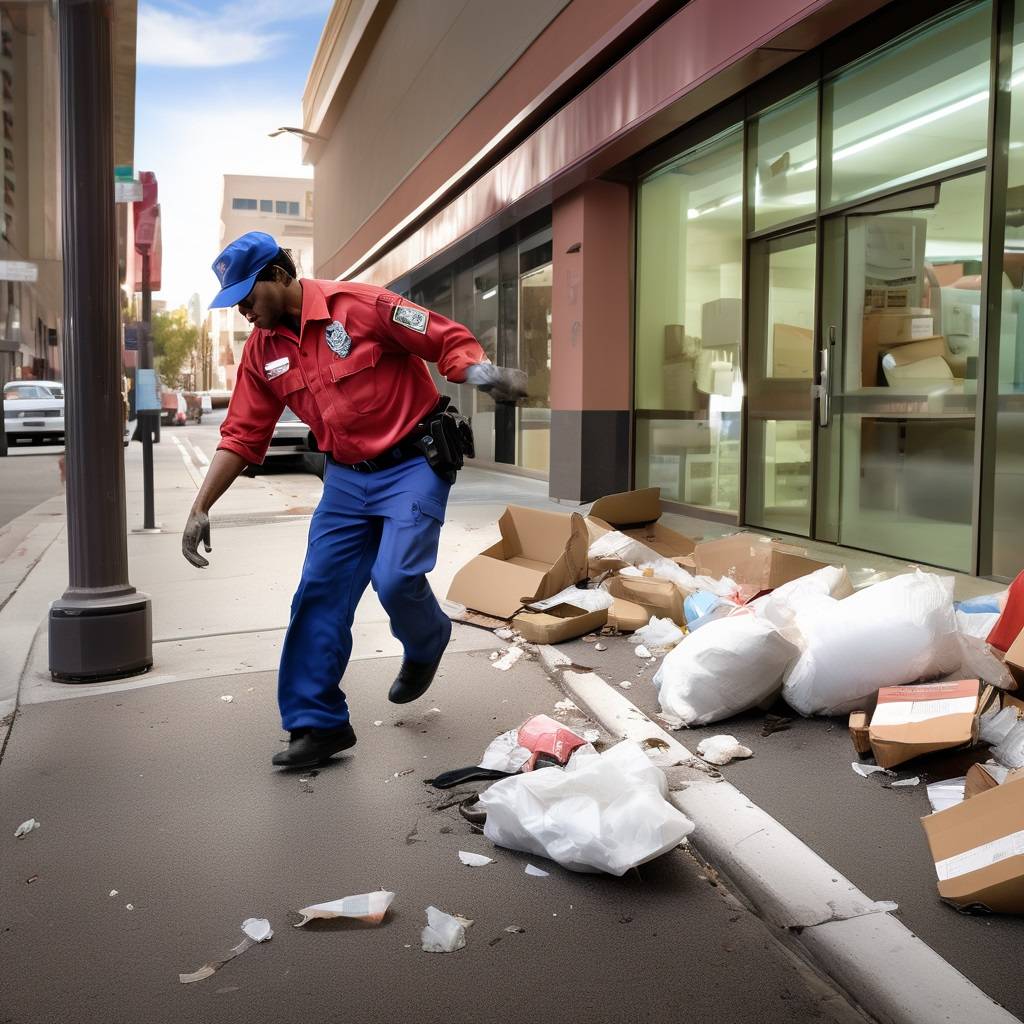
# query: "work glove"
196,529
500,382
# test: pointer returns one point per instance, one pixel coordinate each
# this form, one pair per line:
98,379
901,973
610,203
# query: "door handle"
822,388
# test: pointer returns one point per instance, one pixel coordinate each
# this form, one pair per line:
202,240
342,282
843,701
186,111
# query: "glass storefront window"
533,436
917,108
688,327
784,151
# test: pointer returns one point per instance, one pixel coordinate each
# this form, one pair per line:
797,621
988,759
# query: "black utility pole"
101,628
147,426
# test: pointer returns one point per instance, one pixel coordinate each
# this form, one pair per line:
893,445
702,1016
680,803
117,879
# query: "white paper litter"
378,722
943,795
444,933
659,634
369,907
504,633
474,860
113,892
722,749
602,812
503,753
566,705
536,872
227,698
25,827
600,647
586,600
625,684
591,735
643,652
129,906
509,658
258,929
864,770
915,781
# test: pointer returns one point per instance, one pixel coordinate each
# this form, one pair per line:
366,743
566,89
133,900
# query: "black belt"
404,450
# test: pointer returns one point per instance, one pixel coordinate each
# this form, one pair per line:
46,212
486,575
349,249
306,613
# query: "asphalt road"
864,828
165,795
29,475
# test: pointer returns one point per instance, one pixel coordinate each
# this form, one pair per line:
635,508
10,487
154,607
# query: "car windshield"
19,391
288,417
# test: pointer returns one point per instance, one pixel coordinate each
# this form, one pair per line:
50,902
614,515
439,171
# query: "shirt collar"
314,307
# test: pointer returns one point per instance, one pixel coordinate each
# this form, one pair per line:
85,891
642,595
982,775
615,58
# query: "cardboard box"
627,616
897,327
749,558
1015,659
655,596
540,553
859,732
558,624
978,849
909,721
983,777
792,352
636,514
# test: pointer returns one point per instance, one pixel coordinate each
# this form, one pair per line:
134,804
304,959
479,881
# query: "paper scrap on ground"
444,933
504,633
504,754
586,600
536,872
257,929
474,860
566,705
515,929
509,658
864,770
722,749
642,652
943,795
25,827
227,698
591,735
369,907
625,684
907,782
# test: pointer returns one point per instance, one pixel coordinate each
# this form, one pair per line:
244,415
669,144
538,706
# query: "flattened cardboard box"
540,553
909,721
978,849
655,596
636,514
749,558
558,624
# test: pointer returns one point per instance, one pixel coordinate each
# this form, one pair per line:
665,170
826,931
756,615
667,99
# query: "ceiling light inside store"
490,293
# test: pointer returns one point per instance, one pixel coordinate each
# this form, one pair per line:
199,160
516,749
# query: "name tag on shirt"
276,367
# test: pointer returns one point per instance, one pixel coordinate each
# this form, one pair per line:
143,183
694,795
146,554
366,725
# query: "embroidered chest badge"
338,340
411,317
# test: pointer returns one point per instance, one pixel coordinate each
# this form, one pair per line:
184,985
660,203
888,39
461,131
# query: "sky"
212,81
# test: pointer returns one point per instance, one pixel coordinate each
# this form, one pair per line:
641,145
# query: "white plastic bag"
602,812
1010,753
589,600
722,749
618,546
443,933
899,631
977,659
782,605
723,668
996,726
659,634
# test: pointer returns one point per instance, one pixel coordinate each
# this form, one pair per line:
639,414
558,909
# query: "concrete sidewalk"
163,826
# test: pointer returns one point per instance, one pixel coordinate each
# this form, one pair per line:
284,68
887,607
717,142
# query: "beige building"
282,207
31,329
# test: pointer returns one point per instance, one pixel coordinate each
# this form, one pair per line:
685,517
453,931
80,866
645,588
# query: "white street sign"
127,191
18,270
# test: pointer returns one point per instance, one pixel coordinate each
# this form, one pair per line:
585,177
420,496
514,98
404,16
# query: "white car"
34,410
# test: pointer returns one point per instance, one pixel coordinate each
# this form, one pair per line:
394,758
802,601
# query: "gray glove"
196,529
501,383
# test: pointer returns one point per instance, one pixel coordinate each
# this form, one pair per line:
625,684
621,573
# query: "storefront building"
768,257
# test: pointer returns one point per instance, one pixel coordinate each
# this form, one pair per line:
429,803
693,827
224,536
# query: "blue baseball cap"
238,266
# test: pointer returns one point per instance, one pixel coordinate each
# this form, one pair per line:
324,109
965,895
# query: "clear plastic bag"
602,812
659,634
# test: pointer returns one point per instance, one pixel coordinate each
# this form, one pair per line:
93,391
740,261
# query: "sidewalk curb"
878,962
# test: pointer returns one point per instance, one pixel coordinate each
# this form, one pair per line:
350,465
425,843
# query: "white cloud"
236,34
207,144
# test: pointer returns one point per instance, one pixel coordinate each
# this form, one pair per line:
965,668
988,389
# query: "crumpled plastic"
369,907
589,600
1010,752
616,545
444,933
602,812
994,727
26,827
659,634
977,659
726,667
257,929
722,749
899,631
504,754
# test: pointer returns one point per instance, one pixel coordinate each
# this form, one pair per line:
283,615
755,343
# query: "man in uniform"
348,360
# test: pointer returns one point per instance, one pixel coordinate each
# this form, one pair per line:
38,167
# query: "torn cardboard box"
540,553
636,514
657,597
749,558
859,732
978,849
909,721
983,777
558,624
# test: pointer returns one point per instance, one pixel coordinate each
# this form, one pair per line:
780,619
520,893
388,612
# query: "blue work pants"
381,527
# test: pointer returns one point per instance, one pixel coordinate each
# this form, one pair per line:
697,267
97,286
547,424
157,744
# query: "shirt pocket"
356,376
288,383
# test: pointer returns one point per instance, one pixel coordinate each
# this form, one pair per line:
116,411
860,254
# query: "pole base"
97,639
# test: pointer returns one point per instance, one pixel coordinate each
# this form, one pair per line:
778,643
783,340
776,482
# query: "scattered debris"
474,860
907,782
510,657
775,723
494,655
378,722
227,698
566,705
444,933
257,929
25,827
659,634
592,735
404,771
590,638
536,872
625,684
642,652
113,892
672,721
722,749
31,879
946,794
516,929
600,647
369,907
129,906
504,633
864,770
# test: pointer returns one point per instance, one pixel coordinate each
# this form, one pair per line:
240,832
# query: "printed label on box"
981,857
906,712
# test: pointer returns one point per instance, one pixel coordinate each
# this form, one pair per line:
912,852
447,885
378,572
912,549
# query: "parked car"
293,439
34,411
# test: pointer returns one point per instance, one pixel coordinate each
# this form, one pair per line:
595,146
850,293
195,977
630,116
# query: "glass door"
901,308
780,383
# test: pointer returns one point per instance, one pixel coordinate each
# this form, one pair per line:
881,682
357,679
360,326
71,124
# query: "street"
28,476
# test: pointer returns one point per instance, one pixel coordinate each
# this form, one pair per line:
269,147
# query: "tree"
174,338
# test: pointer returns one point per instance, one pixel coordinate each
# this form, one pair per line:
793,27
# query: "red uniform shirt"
355,375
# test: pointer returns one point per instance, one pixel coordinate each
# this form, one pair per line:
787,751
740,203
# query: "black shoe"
414,679
309,747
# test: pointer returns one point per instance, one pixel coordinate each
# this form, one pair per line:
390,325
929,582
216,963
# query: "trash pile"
744,619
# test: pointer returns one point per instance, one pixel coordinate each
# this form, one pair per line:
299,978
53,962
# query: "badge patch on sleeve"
411,317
